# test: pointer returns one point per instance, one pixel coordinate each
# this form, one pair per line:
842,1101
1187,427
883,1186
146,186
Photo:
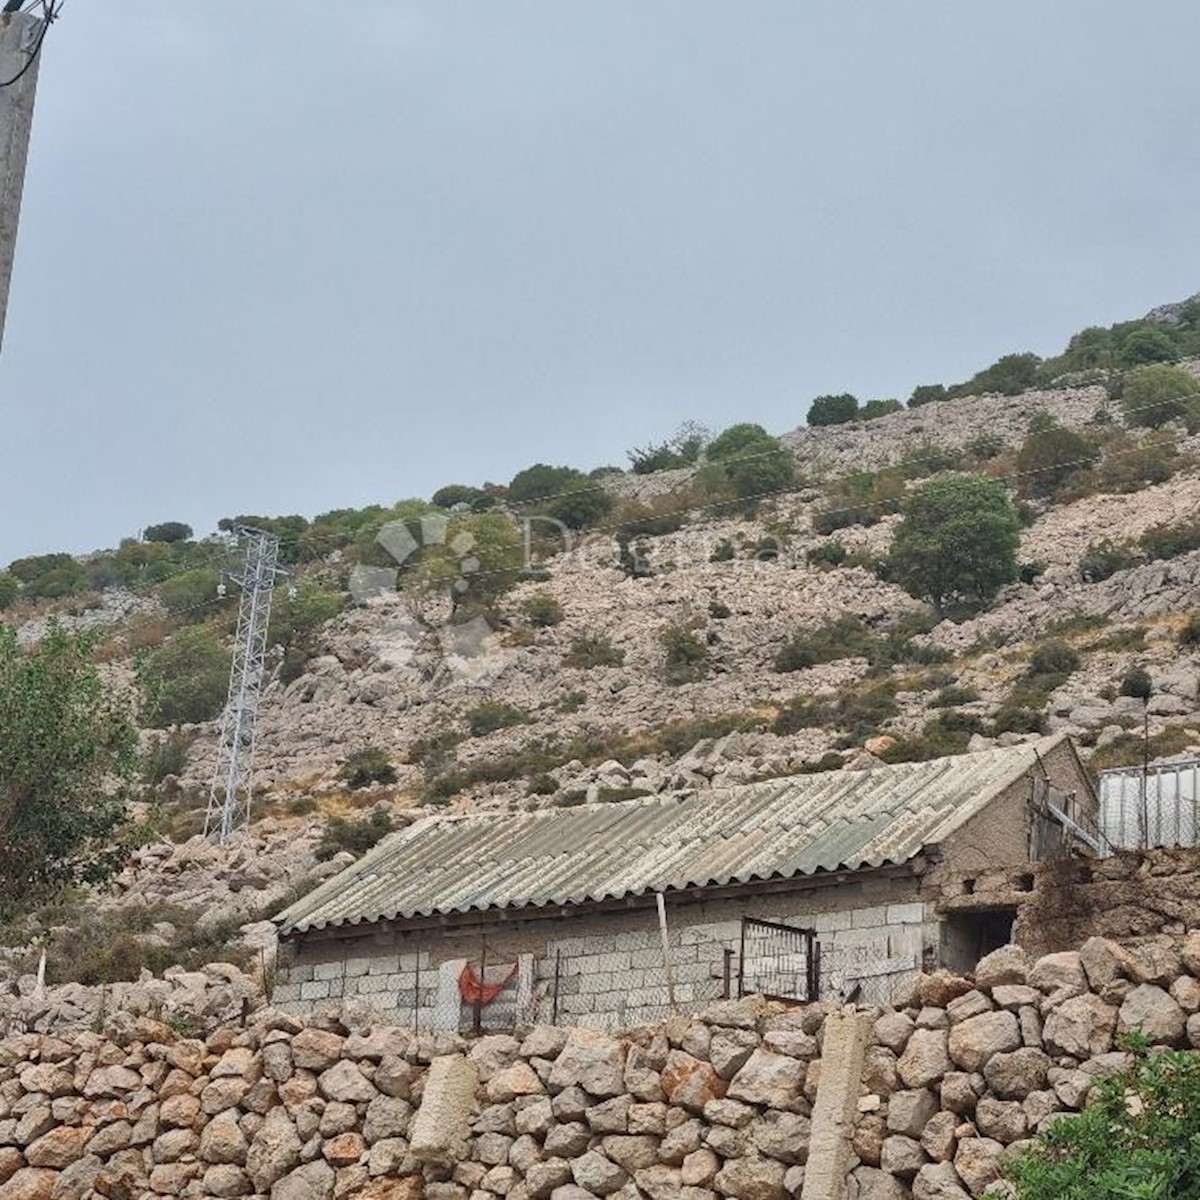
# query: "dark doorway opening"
967,937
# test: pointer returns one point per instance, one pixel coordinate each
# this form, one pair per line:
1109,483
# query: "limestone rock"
1014,1075
769,1079
1152,1011
751,1178
1081,1027
1008,965
902,1155
926,1058
591,1061
313,1181
974,1041
978,1163
910,1111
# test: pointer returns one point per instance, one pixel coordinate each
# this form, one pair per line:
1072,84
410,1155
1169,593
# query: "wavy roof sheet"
839,820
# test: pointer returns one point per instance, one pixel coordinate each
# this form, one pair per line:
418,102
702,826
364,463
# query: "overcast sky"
289,256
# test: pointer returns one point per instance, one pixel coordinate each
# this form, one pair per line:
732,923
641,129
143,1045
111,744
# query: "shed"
839,883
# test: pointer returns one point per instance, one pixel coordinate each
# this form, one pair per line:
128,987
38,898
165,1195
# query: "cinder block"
285,993
301,973
830,922
350,987
318,990
869,918
356,967
906,914
385,964
329,970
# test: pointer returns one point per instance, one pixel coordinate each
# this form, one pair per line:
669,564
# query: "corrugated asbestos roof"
839,820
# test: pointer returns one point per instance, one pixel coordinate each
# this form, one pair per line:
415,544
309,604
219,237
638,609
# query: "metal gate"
781,962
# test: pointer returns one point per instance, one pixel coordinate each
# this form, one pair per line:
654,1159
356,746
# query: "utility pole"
233,774
20,47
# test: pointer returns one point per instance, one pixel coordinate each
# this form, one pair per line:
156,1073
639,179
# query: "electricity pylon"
233,774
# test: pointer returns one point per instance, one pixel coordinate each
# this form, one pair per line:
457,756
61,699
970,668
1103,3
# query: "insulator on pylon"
293,591
221,590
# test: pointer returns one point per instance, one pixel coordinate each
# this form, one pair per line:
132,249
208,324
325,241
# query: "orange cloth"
474,991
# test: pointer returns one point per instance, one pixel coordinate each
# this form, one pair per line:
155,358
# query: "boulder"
1003,1120
1059,974
782,1135
978,1163
902,1155
344,1081
974,1041
1153,1012
910,1111
59,1148
938,1137
893,1030
316,1049
690,1082
939,1181
925,1060
873,1184
312,1181
597,1174
30,1183
1103,961
1009,964
1081,1026
1014,1075
751,1178
769,1079
591,1061
939,988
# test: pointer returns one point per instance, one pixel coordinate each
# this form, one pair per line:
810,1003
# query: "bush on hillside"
493,715
167,531
1102,560
1189,635
682,449
10,590
957,542
367,767
1154,395
664,514
685,655
749,463
827,554
1144,345
862,498
190,594
1136,682
723,551
455,494
1010,376
297,620
542,610
582,504
926,393
542,481
1170,541
1049,457
186,680
1053,658
874,409
355,836
833,410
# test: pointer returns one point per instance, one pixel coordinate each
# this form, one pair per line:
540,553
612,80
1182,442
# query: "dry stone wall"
746,1099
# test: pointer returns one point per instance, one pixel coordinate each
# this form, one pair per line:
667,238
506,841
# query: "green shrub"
1102,560
930,459
355,836
164,757
1049,457
862,498
1189,635
952,695
685,655
665,515
190,593
1147,344
926,393
723,552
1154,395
455,494
718,610
368,766
297,618
1139,1136
1009,375
542,481
682,449
542,610
1054,657
1013,716
10,590
186,680
958,541
862,713
827,554
1136,682
581,505
492,715
801,713
985,447
543,785
847,637
874,409
833,410
168,531
1170,541
591,651
754,463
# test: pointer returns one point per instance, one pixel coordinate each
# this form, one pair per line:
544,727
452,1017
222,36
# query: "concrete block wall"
609,972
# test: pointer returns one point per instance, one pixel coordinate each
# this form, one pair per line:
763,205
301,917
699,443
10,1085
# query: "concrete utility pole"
19,40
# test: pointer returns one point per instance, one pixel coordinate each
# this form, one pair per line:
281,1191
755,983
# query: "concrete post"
16,120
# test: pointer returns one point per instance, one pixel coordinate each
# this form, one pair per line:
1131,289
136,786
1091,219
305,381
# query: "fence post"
666,949
417,997
557,975
727,975
478,1015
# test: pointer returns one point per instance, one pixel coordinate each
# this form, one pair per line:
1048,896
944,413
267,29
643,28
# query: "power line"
50,14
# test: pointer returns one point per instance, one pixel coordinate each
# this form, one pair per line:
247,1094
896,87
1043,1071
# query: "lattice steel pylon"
233,774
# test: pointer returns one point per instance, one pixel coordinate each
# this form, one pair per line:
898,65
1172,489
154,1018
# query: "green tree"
753,462
581,504
1147,344
10,590
481,557
1050,456
1154,395
1009,375
454,494
541,481
958,541
833,410
186,679
167,531
190,593
67,750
